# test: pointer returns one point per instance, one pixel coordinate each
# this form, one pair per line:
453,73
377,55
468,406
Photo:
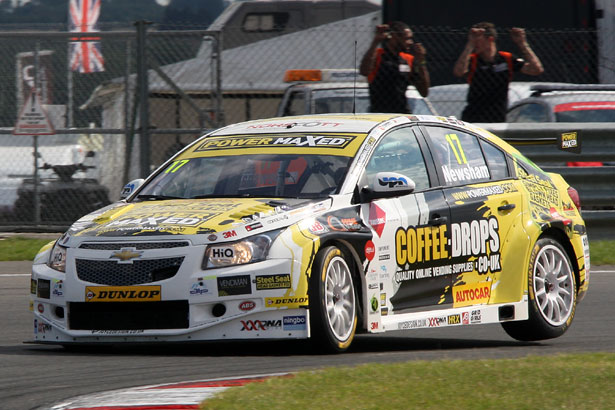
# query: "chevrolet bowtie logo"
126,255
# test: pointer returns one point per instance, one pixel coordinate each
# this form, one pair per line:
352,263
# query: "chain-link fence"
161,89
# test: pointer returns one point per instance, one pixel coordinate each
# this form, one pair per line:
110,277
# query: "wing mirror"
387,185
131,187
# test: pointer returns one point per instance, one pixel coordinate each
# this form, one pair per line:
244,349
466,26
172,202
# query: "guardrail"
596,185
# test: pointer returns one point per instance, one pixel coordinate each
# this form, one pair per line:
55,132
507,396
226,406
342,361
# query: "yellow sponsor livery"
322,227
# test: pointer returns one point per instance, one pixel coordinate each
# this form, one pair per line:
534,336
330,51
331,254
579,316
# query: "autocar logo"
126,255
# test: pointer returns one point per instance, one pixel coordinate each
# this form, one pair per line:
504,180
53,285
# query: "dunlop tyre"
333,299
551,291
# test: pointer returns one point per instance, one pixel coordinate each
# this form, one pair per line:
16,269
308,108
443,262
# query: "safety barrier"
595,184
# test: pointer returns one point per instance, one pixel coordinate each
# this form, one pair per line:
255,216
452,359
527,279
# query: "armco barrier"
596,185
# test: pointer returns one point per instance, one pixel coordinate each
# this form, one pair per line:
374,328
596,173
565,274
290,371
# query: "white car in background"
336,91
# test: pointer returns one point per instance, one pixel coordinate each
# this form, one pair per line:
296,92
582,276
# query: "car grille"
112,246
171,314
112,273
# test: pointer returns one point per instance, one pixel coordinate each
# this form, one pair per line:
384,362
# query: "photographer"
390,69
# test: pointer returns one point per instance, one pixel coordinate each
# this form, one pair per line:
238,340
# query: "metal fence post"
142,84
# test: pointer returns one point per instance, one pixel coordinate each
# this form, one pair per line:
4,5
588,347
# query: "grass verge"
578,381
19,248
24,249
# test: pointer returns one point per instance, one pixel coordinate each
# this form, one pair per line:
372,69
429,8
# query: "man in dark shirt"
390,69
489,71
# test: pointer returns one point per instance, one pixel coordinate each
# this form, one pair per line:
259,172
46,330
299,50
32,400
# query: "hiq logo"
294,323
392,182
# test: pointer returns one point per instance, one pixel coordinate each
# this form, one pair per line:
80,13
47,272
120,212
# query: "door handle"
507,207
437,220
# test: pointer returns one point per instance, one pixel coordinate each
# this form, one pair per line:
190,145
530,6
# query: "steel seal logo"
122,294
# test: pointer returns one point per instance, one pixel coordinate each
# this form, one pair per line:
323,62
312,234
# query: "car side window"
399,151
460,155
531,112
295,104
496,160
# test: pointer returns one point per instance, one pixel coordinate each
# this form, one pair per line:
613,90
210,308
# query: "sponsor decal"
392,182
126,255
569,141
317,228
454,319
41,327
312,141
483,192
373,326
373,303
465,318
254,226
370,250
383,299
437,321
412,324
33,286
289,302
471,294
465,173
58,288
266,282
384,311
229,234
478,238
250,325
475,317
212,237
153,221
247,305
384,257
117,332
377,218
294,323
343,224
122,293
199,288
234,285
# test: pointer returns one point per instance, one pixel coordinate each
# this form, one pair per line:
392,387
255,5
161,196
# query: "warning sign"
33,119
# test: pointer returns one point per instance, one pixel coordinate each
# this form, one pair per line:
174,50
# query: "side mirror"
387,185
130,187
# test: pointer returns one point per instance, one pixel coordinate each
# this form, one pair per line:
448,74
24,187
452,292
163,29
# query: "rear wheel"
333,311
552,294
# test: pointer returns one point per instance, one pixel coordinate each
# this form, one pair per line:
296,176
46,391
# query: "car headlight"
57,258
252,249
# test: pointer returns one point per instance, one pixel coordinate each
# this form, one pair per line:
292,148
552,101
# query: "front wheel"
333,312
552,294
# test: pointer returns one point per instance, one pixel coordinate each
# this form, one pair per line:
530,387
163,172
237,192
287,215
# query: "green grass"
579,381
19,248
24,249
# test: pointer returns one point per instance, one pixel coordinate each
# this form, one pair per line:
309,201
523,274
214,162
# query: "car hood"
238,217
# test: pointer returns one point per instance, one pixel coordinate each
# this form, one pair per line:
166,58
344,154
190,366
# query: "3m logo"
250,325
122,293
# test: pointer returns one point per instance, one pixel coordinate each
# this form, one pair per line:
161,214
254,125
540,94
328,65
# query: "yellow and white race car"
321,227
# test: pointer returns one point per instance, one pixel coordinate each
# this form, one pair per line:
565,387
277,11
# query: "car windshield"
278,176
591,111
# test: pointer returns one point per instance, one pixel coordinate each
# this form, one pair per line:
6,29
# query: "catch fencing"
162,89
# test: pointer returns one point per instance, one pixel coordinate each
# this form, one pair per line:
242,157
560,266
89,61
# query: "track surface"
34,376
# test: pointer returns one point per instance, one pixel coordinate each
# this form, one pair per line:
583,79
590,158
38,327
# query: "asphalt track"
37,376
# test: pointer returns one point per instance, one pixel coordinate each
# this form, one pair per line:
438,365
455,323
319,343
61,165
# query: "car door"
485,204
408,231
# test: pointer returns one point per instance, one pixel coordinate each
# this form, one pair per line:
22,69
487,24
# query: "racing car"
321,227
